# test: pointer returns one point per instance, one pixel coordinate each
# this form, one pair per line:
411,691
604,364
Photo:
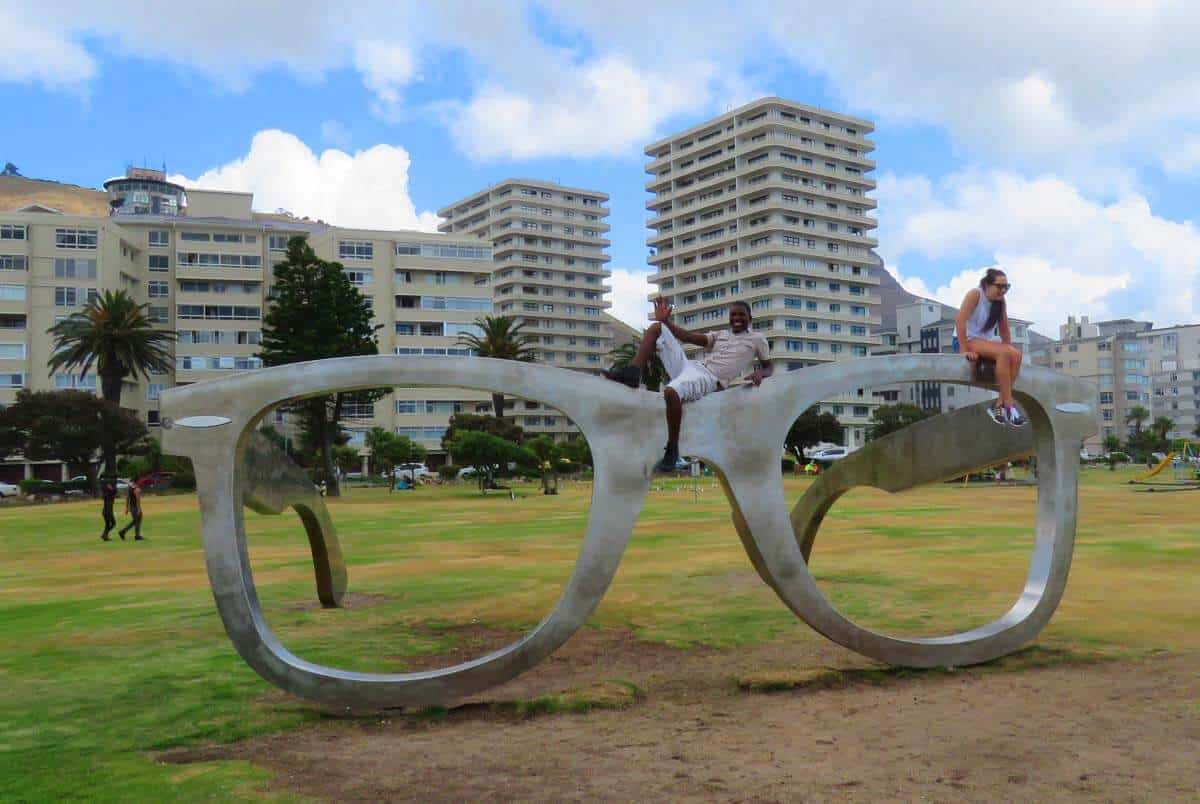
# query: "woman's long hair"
997,307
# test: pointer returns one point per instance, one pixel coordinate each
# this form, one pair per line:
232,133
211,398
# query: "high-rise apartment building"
202,261
768,204
1132,364
548,244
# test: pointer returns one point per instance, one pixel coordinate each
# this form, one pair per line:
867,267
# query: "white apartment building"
202,261
548,243
1132,364
768,204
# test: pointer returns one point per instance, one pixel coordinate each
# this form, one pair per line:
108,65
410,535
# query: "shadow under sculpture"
739,433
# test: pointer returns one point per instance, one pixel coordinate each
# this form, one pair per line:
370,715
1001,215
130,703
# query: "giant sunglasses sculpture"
739,433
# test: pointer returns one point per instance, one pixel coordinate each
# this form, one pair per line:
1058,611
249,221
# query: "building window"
159,262
159,237
87,382
277,242
14,262
360,276
76,238
356,250
12,380
10,231
158,315
157,290
71,297
74,269
12,351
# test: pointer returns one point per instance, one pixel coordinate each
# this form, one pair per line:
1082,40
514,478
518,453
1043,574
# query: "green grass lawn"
110,652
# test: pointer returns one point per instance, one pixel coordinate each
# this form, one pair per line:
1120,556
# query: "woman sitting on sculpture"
983,332
727,354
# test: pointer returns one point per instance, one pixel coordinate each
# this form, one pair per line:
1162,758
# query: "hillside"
70,199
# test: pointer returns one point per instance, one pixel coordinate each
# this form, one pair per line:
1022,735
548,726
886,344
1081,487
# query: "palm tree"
1161,426
113,333
499,337
1136,415
654,373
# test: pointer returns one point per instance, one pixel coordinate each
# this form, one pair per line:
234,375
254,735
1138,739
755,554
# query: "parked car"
468,472
415,470
9,490
827,456
810,452
156,481
122,482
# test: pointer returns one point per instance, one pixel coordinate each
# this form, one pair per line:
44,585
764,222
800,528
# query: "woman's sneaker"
1015,417
996,414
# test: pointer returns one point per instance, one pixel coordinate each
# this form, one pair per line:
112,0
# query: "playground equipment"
739,434
1184,466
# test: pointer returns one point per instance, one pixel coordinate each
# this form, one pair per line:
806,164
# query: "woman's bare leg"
992,350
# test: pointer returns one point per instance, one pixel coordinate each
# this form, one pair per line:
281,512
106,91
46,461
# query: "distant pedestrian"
133,507
108,492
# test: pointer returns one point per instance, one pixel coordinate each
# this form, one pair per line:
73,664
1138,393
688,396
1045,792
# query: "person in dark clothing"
108,491
133,507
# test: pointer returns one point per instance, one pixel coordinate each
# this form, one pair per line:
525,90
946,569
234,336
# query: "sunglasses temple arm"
930,451
273,482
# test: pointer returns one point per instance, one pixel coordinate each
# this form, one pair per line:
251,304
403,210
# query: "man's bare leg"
674,417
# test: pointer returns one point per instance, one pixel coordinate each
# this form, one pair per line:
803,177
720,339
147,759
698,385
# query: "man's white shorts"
689,378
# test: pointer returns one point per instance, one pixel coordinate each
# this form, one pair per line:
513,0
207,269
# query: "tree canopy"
507,429
890,418
316,313
487,454
389,450
812,428
500,337
69,426
113,333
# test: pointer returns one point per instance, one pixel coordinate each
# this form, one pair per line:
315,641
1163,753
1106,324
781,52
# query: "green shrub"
32,486
448,471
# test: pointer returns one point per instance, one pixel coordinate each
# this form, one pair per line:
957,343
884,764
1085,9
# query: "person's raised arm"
662,314
960,322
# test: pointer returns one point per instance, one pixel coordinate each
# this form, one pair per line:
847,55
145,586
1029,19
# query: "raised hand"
662,310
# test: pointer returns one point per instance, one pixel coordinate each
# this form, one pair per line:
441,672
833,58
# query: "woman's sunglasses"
1002,286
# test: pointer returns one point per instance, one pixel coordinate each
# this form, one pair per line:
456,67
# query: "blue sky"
1063,147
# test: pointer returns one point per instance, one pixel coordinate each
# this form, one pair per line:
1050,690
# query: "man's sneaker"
669,459
996,414
1015,418
629,375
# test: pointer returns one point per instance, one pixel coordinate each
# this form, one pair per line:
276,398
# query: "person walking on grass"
133,507
727,354
108,492
982,326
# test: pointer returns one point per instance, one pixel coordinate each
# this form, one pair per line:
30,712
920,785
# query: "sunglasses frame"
738,432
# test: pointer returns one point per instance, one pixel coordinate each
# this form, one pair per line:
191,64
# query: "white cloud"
367,189
630,291
605,107
1064,253
1093,89
386,68
31,53
1184,160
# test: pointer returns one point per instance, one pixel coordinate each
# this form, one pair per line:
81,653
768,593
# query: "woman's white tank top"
978,320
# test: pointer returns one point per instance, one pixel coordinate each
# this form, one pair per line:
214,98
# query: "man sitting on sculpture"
728,353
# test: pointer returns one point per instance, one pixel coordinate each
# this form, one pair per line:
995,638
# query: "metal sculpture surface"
739,433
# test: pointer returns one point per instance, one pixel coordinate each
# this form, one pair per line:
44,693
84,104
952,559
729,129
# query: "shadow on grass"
822,678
